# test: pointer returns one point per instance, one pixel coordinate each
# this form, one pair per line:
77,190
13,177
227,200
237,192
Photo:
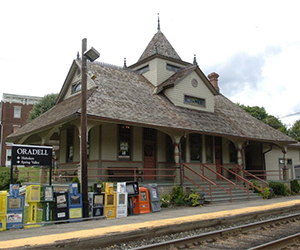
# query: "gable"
158,69
72,84
191,92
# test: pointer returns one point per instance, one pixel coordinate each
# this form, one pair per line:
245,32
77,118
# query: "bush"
76,180
165,200
178,196
295,186
5,180
279,188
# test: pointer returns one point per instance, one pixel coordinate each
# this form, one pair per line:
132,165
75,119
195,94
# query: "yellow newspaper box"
110,200
3,210
33,196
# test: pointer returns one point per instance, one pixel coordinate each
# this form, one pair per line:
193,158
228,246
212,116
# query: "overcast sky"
253,45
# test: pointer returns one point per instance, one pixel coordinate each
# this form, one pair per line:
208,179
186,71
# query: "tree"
261,114
46,103
295,131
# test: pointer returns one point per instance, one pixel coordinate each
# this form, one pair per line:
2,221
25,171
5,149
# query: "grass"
31,174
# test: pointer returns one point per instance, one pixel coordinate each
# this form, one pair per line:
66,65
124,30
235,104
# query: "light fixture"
91,54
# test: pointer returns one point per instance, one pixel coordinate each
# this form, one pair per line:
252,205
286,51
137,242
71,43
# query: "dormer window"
76,87
195,101
173,67
143,70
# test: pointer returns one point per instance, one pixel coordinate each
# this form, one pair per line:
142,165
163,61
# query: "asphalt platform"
54,236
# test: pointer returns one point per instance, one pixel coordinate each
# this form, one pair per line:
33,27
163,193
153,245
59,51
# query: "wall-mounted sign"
29,155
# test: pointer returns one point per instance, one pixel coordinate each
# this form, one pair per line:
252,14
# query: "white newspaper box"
121,200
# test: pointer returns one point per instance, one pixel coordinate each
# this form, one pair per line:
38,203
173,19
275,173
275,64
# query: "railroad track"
268,234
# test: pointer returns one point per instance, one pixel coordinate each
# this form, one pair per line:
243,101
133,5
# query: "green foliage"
194,198
295,186
279,188
103,183
256,186
165,200
5,180
295,131
178,196
46,103
261,114
76,180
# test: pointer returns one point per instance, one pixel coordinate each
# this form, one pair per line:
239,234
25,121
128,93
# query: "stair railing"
212,185
264,183
219,176
246,183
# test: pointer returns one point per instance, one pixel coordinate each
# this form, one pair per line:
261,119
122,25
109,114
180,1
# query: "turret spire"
158,23
195,60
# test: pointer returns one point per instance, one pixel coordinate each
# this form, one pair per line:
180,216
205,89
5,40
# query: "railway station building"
155,119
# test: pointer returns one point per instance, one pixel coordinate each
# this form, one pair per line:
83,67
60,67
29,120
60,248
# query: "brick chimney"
213,78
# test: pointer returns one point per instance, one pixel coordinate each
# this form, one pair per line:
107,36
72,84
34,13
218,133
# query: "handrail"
249,183
252,175
202,177
237,176
222,177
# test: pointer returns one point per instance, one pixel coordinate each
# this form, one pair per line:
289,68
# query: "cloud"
241,72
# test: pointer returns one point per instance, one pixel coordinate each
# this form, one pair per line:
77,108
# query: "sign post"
29,155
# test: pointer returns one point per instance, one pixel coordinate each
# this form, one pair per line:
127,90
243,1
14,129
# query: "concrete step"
220,195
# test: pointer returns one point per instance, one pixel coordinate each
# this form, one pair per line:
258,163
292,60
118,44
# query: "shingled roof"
159,45
124,96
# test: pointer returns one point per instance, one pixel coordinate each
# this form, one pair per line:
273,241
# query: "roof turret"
159,45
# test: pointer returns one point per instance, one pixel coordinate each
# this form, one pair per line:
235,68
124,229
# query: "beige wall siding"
176,94
137,152
94,143
109,142
63,146
77,78
272,161
158,72
76,145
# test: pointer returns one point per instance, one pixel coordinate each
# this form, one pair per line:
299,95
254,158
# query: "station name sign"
29,155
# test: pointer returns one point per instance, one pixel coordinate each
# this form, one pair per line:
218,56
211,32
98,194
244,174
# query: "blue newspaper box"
75,202
15,207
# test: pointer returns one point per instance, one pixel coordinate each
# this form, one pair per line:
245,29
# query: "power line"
297,113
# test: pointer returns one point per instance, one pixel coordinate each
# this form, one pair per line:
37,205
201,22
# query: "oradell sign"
29,155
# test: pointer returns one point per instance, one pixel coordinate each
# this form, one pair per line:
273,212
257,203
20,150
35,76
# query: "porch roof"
124,96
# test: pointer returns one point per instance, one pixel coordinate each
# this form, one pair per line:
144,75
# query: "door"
149,161
218,154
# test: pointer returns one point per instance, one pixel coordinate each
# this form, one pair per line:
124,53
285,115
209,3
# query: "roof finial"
125,66
158,23
78,57
195,61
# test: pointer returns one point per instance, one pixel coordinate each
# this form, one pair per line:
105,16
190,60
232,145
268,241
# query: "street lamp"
91,55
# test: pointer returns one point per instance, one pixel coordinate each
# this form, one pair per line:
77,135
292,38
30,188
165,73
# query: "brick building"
14,111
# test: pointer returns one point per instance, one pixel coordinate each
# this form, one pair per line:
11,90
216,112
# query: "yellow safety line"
88,233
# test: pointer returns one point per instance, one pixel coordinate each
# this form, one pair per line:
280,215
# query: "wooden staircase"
222,189
219,195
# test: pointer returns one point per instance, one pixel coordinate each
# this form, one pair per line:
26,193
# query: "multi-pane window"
232,153
17,111
76,87
173,68
124,142
209,148
196,147
143,70
200,102
70,144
